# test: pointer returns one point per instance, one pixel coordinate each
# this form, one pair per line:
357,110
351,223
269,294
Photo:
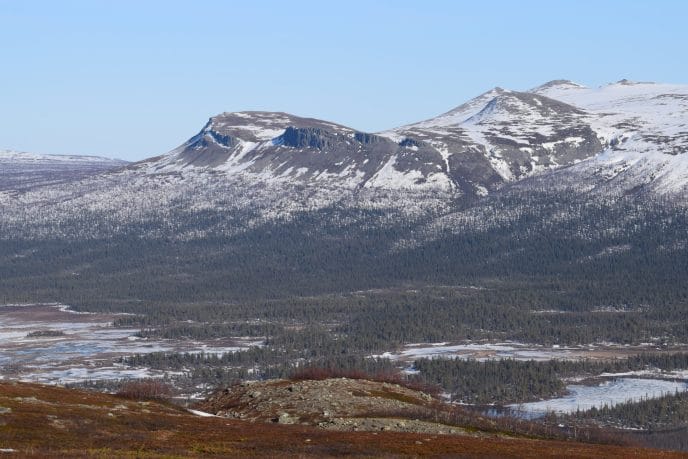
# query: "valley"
524,252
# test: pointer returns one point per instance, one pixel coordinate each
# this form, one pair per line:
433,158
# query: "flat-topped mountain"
283,147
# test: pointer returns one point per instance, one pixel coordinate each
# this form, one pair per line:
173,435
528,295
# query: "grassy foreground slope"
46,421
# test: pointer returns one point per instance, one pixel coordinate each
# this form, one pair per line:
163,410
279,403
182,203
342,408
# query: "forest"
335,285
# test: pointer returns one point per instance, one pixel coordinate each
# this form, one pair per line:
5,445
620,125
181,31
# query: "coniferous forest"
335,286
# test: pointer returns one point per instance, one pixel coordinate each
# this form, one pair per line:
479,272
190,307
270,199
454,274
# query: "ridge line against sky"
132,79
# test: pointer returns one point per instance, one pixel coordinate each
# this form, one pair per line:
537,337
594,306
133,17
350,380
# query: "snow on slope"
457,115
21,171
391,177
283,148
8,157
644,125
653,116
607,139
498,137
637,131
625,135
502,136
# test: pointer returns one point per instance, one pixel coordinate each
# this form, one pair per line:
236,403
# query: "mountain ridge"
274,166
500,136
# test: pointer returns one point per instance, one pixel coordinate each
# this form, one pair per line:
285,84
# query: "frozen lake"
610,393
482,351
84,346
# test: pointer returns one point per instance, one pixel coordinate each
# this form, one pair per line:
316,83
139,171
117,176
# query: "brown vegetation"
145,389
44,421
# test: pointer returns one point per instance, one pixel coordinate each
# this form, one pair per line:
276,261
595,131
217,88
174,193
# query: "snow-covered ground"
610,393
11,157
87,348
508,350
647,122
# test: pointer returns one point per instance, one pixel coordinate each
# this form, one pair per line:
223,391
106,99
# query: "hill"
43,421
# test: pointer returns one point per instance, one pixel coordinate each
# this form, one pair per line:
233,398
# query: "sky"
134,79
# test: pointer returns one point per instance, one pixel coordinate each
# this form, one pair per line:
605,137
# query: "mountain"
561,180
502,136
619,137
499,137
22,171
282,147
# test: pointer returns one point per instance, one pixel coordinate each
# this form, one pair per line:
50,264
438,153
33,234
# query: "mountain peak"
481,100
528,106
556,84
627,82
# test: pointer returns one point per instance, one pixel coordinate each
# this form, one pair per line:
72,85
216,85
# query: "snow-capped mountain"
283,147
621,139
501,136
560,179
643,127
21,171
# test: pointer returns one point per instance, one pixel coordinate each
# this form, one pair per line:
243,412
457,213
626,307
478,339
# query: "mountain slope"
503,136
21,171
621,139
644,127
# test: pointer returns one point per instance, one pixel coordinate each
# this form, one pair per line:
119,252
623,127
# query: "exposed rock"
332,404
307,138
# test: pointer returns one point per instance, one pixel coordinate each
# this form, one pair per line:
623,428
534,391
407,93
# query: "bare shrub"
145,389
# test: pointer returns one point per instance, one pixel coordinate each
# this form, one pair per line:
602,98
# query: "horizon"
132,81
11,150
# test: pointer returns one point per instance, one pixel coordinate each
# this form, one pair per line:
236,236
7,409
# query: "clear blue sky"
133,79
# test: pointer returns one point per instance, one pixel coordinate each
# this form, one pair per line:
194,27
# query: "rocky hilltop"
333,404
